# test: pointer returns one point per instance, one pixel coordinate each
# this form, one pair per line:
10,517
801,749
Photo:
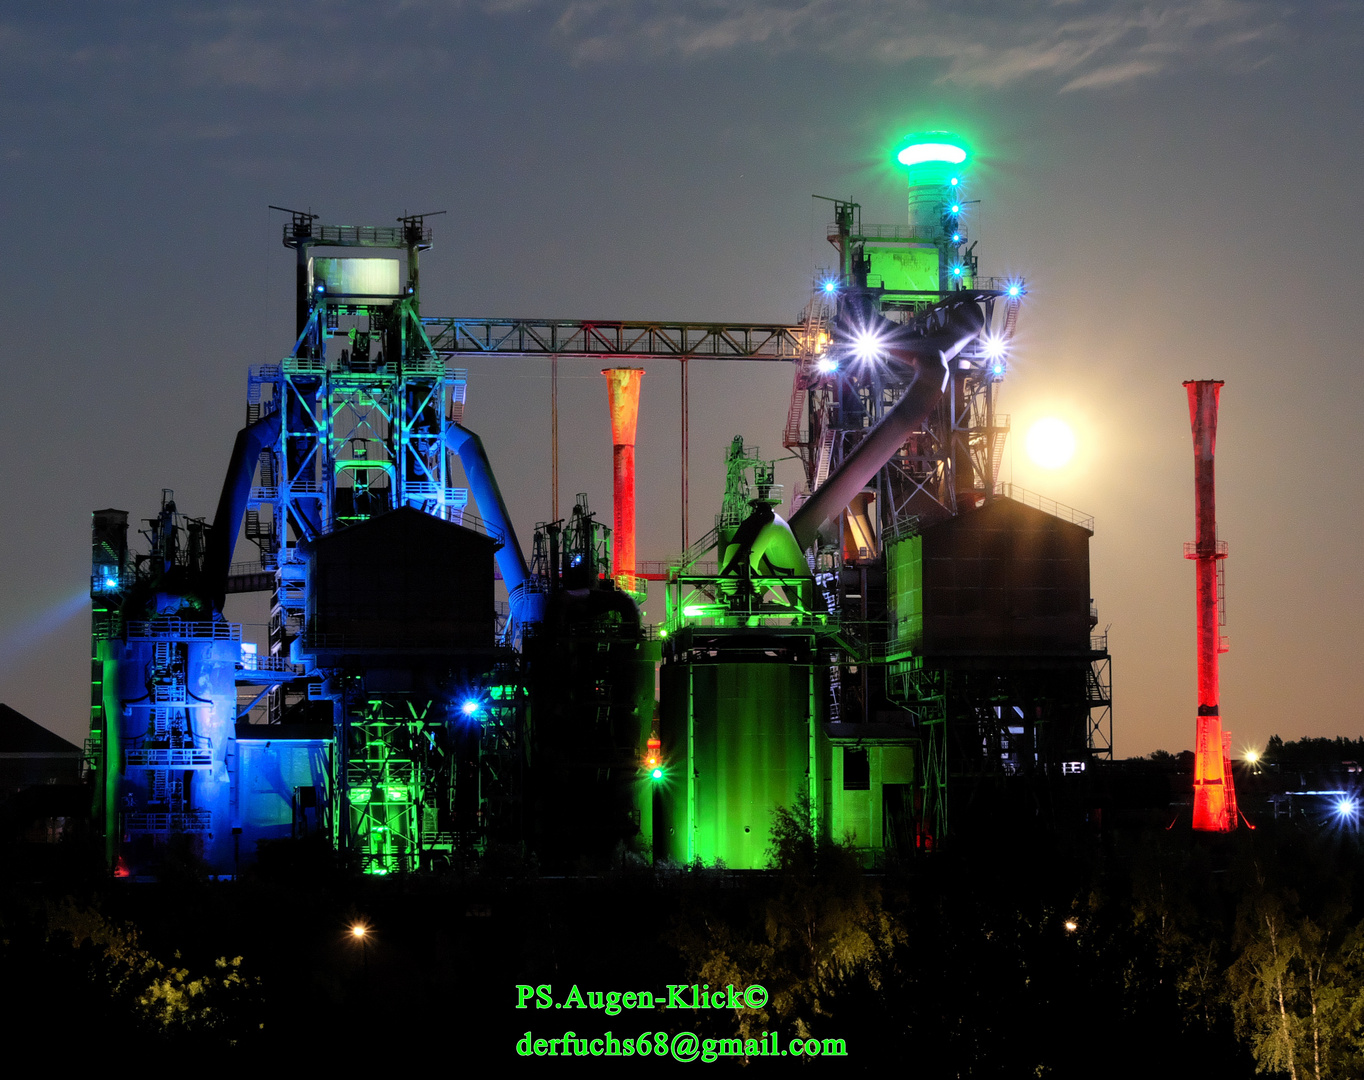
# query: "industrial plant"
905,643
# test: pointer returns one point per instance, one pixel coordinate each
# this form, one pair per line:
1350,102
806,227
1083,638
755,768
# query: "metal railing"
169,757
1220,549
183,629
393,236
241,569
257,662
1047,506
458,515
184,821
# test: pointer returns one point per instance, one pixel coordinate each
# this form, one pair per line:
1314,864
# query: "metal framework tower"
1007,716
365,407
1214,791
369,417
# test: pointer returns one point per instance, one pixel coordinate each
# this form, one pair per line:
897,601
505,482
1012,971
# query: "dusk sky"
1178,183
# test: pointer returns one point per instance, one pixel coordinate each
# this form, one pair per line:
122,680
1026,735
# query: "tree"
821,934
1297,988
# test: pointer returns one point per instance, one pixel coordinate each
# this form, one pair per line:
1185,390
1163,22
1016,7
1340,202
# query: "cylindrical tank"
742,736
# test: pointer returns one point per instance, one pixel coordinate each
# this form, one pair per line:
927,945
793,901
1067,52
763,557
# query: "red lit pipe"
622,388
1214,795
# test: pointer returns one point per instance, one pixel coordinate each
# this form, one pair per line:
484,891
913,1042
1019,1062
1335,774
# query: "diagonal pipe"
930,357
227,522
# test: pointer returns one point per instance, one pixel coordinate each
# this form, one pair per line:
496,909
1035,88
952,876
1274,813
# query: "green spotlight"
657,774
920,152
934,157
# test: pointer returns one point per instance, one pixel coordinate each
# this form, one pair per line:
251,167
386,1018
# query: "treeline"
1222,956
1009,956
1314,751
1306,751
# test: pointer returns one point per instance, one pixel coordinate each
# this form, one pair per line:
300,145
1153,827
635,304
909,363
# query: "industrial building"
904,641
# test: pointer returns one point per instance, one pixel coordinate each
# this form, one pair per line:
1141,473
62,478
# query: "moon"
1051,443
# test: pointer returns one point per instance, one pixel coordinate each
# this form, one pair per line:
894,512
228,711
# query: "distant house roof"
20,735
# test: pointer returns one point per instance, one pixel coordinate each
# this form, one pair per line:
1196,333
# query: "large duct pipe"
930,357
241,469
622,388
526,606
1214,795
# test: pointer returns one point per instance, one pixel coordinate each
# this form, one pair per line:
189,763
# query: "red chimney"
1214,794
622,386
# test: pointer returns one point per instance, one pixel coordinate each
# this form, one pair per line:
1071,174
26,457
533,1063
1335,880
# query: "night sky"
1178,183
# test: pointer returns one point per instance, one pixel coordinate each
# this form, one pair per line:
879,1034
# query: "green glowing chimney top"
932,157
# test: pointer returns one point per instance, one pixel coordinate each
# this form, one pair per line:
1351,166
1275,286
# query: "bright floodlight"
1071,926
827,365
657,774
993,347
1346,807
831,286
1252,756
359,930
918,153
469,707
1051,443
866,345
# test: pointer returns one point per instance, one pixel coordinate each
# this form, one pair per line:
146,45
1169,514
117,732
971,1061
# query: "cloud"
1077,44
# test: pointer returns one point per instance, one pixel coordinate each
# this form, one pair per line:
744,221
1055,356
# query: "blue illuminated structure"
163,695
342,479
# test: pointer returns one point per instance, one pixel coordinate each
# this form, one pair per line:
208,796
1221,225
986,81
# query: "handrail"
1047,506
171,627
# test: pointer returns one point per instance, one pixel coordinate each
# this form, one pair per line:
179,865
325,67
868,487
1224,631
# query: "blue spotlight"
956,208
1347,807
827,365
955,181
956,271
831,286
470,706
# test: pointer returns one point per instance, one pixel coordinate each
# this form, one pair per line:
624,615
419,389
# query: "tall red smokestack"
622,387
1214,796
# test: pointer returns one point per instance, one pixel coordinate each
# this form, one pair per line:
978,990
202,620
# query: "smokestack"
622,388
1214,794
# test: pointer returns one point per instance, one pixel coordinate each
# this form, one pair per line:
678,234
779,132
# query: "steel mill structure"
904,644
1214,806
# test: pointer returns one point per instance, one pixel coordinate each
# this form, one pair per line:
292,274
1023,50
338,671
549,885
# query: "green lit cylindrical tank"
742,730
